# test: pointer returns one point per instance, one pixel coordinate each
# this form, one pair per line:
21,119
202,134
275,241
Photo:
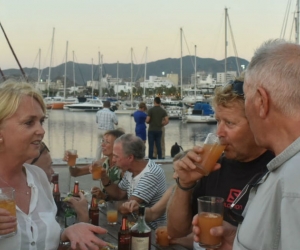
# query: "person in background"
162,143
242,160
140,119
44,161
143,181
22,113
107,162
157,118
272,104
106,120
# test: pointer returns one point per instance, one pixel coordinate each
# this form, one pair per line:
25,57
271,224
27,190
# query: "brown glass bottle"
56,194
124,235
76,189
94,211
140,233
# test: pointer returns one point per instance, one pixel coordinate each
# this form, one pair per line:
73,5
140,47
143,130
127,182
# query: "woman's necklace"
27,192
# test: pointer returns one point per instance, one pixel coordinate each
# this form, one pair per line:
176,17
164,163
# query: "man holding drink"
242,159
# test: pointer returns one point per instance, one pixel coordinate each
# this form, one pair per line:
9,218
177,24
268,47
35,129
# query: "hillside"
169,65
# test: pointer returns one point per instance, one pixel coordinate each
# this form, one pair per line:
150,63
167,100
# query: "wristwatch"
106,185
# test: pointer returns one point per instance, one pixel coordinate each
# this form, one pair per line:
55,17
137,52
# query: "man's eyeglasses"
105,142
42,149
237,87
255,180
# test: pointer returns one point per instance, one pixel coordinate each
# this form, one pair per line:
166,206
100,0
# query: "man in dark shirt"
157,118
242,160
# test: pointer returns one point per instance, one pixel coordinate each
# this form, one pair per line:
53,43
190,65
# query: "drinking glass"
72,155
212,150
210,212
7,202
162,235
112,212
96,170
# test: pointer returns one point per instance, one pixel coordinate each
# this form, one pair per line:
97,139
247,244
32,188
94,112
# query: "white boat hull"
200,119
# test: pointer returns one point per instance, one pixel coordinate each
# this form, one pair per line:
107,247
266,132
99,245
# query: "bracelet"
183,188
109,182
65,243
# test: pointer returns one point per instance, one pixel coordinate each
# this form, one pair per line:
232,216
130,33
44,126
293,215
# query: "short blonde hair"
11,94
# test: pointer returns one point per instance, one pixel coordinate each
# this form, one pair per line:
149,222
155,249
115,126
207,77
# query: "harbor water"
78,130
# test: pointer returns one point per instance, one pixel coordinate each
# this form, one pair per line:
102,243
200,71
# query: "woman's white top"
38,229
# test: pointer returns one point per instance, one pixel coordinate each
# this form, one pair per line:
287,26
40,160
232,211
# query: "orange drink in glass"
212,150
112,212
96,171
72,155
7,202
210,214
162,236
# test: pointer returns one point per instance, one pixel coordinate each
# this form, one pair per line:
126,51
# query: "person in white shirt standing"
106,119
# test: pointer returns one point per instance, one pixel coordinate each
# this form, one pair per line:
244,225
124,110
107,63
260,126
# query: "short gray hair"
132,145
275,66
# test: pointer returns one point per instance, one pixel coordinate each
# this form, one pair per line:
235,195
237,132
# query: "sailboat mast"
195,71
99,63
49,74
131,99
117,80
73,73
145,76
65,79
15,56
297,21
101,72
225,45
92,79
39,70
181,63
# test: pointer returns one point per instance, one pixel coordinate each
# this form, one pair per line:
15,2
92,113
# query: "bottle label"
139,243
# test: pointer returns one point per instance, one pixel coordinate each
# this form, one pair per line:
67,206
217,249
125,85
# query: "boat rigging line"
12,50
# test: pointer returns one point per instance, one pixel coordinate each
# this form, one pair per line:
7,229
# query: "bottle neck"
124,225
56,188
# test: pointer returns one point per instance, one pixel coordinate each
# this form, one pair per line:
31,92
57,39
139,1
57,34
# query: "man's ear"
262,101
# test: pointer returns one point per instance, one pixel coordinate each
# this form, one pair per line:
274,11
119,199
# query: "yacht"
92,105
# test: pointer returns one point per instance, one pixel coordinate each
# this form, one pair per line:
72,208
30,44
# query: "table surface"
112,235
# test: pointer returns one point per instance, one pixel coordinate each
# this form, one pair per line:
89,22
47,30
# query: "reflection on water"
65,129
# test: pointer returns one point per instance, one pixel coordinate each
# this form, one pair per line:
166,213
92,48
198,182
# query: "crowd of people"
257,119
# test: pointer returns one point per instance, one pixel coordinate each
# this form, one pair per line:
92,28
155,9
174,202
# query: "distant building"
123,86
157,81
231,75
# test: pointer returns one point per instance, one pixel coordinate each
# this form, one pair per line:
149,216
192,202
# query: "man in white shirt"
106,119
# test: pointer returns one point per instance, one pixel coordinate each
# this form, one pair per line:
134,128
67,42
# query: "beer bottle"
140,232
56,196
94,211
76,189
124,235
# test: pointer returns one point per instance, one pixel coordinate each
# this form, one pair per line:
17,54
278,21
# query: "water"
78,130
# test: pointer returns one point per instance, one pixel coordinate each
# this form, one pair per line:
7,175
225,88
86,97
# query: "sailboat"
58,102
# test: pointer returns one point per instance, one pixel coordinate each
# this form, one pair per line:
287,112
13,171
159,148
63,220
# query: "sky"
113,27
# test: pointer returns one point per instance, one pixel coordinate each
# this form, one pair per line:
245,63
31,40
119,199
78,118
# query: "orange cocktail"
112,217
9,205
162,236
206,222
97,171
72,155
210,156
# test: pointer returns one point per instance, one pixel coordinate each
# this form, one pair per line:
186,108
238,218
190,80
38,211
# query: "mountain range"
83,72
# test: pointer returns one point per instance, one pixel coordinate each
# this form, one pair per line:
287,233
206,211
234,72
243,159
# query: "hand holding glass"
7,202
210,214
212,150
